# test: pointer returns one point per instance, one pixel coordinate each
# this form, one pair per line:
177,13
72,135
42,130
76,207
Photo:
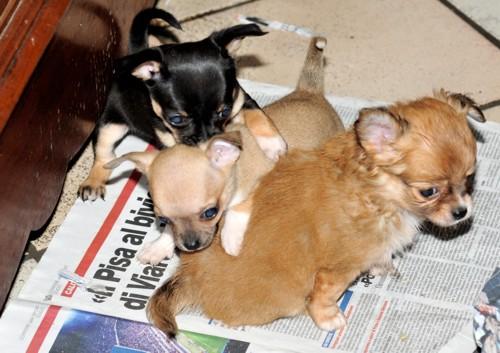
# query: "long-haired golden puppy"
323,217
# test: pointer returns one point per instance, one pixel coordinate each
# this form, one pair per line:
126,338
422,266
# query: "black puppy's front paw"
91,191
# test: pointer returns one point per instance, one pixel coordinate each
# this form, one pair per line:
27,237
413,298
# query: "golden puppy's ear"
142,160
461,103
377,130
224,149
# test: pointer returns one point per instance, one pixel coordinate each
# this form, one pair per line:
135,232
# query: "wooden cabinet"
55,66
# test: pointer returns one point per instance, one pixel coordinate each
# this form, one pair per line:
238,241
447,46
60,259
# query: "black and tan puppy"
176,93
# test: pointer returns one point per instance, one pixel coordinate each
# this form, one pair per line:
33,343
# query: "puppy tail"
312,75
139,30
166,302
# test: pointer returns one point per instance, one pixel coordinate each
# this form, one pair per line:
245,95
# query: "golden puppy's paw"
330,318
385,269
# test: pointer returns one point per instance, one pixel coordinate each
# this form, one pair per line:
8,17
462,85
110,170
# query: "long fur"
324,216
160,309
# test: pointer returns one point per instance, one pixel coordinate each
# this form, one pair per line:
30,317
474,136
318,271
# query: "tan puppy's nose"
192,242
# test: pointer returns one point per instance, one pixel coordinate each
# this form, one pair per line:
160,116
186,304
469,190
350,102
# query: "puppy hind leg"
263,129
107,136
322,301
235,226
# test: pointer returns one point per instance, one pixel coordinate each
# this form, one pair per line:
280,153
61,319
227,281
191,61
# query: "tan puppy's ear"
142,160
377,130
461,103
224,149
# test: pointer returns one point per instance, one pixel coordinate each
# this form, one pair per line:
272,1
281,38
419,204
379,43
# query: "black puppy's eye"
177,120
224,113
430,192
164,220
209,213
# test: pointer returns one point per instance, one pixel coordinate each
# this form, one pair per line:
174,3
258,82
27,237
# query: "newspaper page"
39,328
90,266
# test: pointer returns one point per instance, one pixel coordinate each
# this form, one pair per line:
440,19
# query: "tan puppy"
323,217
192,187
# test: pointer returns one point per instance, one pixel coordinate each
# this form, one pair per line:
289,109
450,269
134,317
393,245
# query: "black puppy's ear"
230,38
147,70
146,64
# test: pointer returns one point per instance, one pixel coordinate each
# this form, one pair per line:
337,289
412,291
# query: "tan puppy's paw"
92,189
273,146
329,318
154,252
233,231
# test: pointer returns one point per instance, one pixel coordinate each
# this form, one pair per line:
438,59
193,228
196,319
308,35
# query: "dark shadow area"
477,134
448,233
249,61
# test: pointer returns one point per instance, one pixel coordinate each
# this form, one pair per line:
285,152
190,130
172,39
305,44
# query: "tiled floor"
485,13
384,50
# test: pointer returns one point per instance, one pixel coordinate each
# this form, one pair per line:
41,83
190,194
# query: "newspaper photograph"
37,327
89,277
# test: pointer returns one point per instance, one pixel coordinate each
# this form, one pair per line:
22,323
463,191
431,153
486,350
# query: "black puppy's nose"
211,130
459,213
192,243
190,140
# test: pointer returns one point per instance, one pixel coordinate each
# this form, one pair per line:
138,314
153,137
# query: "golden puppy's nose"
459,213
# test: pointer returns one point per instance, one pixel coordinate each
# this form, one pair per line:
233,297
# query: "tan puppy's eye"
209,213
164,220
430,192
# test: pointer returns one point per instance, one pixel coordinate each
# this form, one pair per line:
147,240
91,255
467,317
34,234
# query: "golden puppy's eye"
430,192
